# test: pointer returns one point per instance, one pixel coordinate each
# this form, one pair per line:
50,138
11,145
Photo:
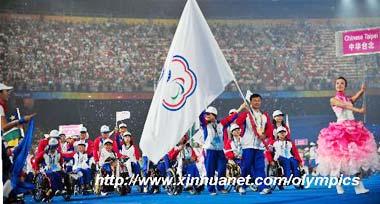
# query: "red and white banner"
69,130
358,42
300,142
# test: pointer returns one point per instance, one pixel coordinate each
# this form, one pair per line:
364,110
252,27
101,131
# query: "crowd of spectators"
45,55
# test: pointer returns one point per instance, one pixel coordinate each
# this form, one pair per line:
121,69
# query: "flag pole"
249,107
242,96
19,117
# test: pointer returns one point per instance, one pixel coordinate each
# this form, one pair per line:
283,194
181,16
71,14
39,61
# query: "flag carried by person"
14,135
195,73
122,115
20,154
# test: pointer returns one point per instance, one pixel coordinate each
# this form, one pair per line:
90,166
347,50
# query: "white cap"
5,87
232,111
306,148
46,135
53,133
122,125
107,141
73,136
234,127
81,143
312,144
277,113
53,142
127,134
281,129
212,110
83,129
105,129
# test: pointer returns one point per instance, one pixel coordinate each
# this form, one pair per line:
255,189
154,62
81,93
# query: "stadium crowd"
46,55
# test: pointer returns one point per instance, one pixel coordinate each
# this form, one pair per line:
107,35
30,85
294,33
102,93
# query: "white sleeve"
2,113
276,151
75,166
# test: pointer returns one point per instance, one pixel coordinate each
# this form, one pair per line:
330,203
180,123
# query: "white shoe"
265,191
339,189
241,191
145,189
360,189
213,193
103,193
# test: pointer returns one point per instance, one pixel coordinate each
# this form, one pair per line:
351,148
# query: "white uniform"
313,153
236,147
104,154
283,149
129,151
249,139
80,161
214,140
52,162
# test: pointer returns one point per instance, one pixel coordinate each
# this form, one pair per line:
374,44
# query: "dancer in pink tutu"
346,146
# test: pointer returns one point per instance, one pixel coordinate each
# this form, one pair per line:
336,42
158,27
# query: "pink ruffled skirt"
346,148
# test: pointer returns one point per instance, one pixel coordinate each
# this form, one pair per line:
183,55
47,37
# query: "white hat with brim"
54,134
127,134
212,110
107,141
105,129
234,127
281,129
277,113
5,87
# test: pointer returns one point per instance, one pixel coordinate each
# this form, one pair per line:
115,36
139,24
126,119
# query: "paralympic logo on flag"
181,83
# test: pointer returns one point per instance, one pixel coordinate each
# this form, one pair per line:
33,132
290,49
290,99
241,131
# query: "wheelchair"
232,171
118,171
43,188
78,188
153,173
275,170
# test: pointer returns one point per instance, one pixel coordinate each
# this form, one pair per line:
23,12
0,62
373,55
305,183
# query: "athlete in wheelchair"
233,154
81,173
183,163
284,164
154,171
129,157
51,180
109,166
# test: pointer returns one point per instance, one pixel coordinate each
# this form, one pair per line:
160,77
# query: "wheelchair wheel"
275,171
172,188
68,186
140,188
42,190
232,171
152,188
96,185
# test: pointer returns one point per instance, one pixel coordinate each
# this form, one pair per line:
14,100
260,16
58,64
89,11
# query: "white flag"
122,115
195,73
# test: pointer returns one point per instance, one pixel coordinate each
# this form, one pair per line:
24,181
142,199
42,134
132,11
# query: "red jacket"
90,147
